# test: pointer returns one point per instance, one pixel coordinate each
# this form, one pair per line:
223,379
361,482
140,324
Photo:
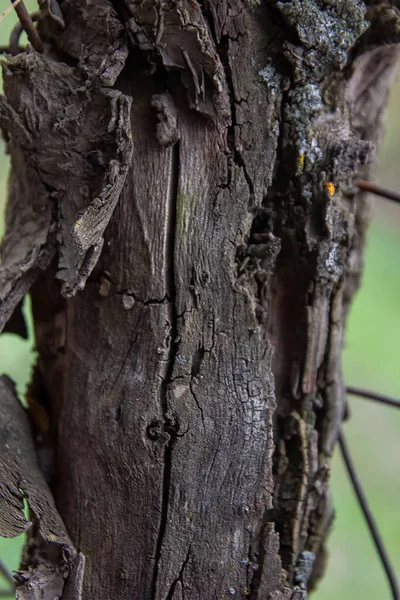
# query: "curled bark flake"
50,555
16,323
179,34
79,183
25,248
98,42
54,11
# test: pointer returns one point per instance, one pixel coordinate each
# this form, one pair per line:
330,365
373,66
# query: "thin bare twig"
9,578
6,573
9,9
354,391
7,50
28,26
368,186
372,526
14,47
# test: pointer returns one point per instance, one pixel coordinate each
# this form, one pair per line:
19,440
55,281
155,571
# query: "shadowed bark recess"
182,208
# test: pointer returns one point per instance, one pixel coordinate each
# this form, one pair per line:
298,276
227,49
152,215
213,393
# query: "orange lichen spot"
330,188
228,539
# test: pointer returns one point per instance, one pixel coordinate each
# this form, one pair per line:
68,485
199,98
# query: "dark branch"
9,578
7,50
368,186
28,26
372,526
7,574
14,39
354,391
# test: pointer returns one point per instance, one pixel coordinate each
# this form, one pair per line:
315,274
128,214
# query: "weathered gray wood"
195,384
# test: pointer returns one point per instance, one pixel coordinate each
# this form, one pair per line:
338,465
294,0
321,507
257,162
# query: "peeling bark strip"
50,557
80,181
192,164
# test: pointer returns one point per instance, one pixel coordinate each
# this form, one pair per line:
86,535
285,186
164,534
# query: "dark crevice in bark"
170,426
222,48
231,137
320,407
121,10
195,369
197,404
209,19
258,558
148,302
196,361
171,591
99,279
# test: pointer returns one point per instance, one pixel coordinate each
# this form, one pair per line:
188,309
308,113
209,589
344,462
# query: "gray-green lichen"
304,105
327,29
270,75
304,568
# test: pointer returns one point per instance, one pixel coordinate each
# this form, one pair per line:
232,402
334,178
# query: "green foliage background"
371,360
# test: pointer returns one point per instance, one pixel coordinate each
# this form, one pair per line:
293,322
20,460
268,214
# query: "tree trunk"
182,207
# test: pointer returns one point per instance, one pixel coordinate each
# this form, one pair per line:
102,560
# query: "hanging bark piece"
76,186
50,556
16,322
24,249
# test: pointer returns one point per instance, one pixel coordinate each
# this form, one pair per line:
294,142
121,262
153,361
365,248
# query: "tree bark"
182,207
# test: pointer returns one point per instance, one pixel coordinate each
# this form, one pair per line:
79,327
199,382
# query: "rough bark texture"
182,201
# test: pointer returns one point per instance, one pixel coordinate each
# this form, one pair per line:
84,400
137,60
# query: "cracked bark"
194,386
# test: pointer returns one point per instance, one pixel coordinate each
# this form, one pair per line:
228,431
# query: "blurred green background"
371,360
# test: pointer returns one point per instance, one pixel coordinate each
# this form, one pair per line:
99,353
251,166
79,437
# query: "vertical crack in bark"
222,50
170,424
232,141
171,591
